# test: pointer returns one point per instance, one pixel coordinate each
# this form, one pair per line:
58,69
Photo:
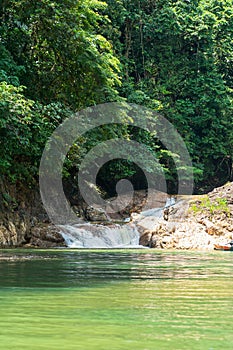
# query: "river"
126,299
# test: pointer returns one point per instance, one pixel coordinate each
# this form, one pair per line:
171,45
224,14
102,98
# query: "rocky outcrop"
96,214
195,222
14,230
23,220
121,207
46,236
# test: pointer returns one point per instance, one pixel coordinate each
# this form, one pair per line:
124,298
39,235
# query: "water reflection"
87,268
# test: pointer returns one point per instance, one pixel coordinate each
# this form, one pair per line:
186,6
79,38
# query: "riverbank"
193,222
23,220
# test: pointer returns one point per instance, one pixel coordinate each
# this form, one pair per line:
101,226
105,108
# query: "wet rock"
46,236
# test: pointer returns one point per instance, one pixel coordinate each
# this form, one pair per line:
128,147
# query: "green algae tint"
116,299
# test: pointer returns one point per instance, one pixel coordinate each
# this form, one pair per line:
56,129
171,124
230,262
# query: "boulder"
182,228
96,214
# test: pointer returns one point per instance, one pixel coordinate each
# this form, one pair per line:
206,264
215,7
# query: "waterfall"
99,236
87,235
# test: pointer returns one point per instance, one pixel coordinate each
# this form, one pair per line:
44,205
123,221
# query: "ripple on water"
97,300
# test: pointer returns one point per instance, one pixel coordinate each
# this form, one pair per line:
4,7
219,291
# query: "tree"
53,61
64,56
179,61
172,56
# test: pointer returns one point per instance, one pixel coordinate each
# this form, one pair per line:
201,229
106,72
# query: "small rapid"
99,236
110,235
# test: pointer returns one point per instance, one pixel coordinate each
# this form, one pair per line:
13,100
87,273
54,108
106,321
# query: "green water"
115,299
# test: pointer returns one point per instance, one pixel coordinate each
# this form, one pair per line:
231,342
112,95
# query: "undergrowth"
205,205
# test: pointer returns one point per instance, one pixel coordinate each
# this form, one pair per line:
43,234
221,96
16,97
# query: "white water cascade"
86,235
99,236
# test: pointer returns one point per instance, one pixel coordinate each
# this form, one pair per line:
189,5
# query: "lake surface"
116,299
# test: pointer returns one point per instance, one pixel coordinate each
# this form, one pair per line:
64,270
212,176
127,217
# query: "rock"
182,228
46,236
96,214
23,221
166,213
125,204
14,230
145,239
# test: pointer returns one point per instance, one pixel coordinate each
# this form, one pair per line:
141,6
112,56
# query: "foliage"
178,59
205,205
9,71
64,56
175,57
24,129
53,60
